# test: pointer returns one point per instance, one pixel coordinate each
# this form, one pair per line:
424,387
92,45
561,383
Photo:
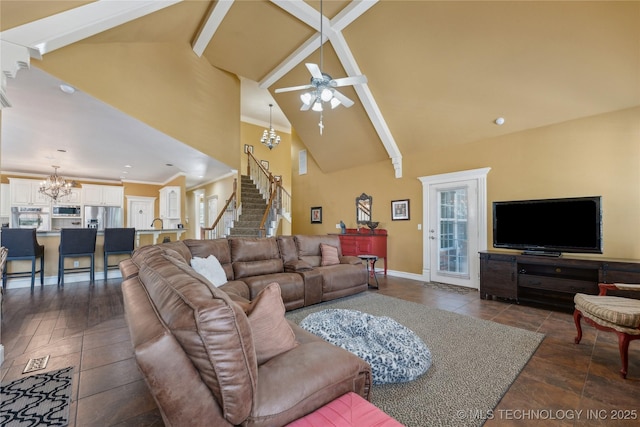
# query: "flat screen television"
549,226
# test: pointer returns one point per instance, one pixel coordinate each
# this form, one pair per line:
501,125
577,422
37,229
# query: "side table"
370,261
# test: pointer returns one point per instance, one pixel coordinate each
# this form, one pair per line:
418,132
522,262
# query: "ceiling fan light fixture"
335,102
317,106
306,98
326,95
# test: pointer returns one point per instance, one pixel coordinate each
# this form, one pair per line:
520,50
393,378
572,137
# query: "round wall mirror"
363,208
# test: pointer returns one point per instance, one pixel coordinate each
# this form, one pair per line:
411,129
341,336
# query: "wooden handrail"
233,197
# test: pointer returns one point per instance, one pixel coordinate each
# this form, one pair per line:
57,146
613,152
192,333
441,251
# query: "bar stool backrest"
77,240
119,240
21,242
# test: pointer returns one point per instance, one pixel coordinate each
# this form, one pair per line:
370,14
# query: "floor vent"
36,364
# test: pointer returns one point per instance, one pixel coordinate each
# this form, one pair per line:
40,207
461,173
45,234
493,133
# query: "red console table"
356,243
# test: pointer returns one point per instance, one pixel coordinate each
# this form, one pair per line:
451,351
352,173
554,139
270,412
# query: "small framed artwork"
316,215
399,210
265,164
248,148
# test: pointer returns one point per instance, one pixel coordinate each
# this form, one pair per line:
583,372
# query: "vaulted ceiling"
439,72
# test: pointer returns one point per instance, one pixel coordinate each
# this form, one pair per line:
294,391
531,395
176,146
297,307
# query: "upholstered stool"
395,353
349,410
612,314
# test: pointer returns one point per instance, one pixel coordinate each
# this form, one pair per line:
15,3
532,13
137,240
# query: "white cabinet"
73,198
26,192
170,206
102,195
5,202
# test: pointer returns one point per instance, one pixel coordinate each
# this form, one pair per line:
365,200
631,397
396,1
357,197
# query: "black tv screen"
549,225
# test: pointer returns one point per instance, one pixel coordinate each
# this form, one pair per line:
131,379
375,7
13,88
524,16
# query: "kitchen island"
51,241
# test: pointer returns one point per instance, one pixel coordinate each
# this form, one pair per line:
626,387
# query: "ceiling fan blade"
305,107
343,99
355,80
314,70
290,89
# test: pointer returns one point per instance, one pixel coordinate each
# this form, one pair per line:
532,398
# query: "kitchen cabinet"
26,192
102,195
5,202
365,243
170,200
73,198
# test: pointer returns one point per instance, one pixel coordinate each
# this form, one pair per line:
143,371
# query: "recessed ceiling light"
499,121
169,164
67,89
127,166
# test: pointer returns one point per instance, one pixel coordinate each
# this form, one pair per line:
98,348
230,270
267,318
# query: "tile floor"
83,325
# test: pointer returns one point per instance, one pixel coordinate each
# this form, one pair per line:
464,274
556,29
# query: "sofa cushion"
210,268
219,248
271,332
255,256
329,255
213,331
309,247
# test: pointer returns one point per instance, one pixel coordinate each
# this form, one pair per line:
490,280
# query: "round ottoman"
395,353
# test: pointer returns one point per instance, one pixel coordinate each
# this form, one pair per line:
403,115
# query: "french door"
455,220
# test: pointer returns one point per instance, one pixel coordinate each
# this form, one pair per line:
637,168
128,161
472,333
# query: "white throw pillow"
211,269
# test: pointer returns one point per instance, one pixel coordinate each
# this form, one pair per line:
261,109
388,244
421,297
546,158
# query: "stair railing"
279,203
226,218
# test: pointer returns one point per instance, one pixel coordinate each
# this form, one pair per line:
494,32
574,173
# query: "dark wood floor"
83,326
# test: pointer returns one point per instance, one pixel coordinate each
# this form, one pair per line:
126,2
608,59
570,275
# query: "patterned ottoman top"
395,353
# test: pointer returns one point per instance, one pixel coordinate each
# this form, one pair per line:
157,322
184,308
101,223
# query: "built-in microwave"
66,211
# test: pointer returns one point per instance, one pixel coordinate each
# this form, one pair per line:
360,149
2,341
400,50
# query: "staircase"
253,207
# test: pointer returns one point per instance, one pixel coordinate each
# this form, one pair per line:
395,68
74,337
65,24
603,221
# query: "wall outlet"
338,225
76,264
419,226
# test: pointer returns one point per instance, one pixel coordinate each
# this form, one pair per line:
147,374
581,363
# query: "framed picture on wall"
265,164
248,148
399,210
316,215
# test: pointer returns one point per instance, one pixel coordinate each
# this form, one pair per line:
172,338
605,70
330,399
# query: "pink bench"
349,410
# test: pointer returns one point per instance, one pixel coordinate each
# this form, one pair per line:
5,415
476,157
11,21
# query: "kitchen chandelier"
55,186
269,137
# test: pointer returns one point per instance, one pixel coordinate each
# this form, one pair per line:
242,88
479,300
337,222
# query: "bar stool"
22,244
117,241
75,243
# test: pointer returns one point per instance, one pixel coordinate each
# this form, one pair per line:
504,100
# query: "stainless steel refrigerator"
102,217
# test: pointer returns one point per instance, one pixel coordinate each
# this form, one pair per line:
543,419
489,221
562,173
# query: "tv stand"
550,281
542,253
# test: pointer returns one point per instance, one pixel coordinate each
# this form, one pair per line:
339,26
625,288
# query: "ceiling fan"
322,87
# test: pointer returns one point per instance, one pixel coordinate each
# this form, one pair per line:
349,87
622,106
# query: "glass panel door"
453,233
453,237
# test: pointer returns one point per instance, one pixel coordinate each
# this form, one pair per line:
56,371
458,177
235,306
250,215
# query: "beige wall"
591,156
164,85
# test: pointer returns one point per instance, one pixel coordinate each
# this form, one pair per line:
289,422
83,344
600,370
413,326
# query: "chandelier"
269,137
55,186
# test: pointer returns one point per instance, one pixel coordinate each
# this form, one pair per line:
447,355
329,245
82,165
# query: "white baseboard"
403,274
25,282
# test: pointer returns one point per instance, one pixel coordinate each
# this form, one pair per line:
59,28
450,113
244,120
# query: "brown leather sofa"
196,347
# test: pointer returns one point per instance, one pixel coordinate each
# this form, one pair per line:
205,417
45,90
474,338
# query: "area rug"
37,400
474,361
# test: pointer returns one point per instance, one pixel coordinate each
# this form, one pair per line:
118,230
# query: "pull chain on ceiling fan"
323,86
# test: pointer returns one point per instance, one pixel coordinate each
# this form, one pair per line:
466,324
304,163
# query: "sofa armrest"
297,266
349,259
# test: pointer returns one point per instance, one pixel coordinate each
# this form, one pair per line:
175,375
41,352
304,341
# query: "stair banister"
230,205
